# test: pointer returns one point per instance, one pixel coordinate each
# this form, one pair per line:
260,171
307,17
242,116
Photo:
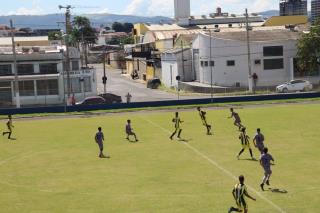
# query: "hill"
53,21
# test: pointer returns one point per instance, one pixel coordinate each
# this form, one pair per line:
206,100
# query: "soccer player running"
99,138
258,141
129,131
204,120
239,193
237,120
9,126
177,121
265,162
244,138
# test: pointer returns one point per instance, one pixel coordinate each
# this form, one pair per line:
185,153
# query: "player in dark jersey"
99,138
204,120
129,131
258,141
177,121
265,162
244,138
9,127
239,193
237,120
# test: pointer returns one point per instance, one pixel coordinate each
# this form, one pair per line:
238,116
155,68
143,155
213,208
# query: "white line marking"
219,167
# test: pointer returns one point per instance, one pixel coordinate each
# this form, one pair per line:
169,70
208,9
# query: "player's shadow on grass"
275,190
184,140
132,141
12,139
249,159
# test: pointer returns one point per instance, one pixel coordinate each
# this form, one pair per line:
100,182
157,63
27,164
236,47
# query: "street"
120,85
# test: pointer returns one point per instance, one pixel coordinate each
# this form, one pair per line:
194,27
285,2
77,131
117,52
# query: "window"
48,68
257,62
75,65
5,69
206,63
211,63
25,69
75,85
273,51
47,87
273,64
26,88
87,84
202,63
231,63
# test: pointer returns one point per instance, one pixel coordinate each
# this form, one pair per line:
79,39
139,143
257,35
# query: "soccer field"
53,166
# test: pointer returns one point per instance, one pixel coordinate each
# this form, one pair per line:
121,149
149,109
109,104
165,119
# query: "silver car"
294,86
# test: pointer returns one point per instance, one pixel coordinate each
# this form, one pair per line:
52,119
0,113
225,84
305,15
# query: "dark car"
93,100
154,83
111,98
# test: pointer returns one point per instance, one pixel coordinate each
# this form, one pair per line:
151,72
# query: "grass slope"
53,164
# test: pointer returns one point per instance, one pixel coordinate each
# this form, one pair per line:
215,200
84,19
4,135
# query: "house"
176,62
42,78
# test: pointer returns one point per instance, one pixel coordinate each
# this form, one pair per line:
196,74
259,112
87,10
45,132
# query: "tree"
82,31
309,51
56,35
118,27
122,27
128,27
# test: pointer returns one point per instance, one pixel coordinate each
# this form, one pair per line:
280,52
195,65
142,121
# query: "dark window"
273,51
75,65
47,87
273,64
206,63
231,63
5,69
26,88
25,69
202,63
87,84
48,68
211,63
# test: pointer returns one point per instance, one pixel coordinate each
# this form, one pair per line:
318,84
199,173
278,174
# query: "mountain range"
56,21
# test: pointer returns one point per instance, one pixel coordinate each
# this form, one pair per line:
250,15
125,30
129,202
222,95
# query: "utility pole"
104,78
16,79
182,49
67,40
250,83
211,67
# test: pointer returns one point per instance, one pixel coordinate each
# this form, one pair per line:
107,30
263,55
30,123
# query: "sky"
132,7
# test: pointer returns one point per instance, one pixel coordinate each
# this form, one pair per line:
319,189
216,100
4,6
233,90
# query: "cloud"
134,7
34,10
163,8
100,11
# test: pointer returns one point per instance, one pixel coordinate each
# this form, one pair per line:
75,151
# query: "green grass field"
53,164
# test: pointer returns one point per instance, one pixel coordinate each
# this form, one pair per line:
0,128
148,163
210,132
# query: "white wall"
169,70
223,50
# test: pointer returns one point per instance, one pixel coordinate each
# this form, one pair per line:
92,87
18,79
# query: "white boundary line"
214,163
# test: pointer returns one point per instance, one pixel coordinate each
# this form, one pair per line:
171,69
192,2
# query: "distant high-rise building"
315,10
293,7
181,9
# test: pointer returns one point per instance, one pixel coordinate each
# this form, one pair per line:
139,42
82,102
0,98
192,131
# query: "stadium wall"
215,100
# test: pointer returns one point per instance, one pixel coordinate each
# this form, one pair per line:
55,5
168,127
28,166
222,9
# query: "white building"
272,54
176,62
273,50
181,9
42,79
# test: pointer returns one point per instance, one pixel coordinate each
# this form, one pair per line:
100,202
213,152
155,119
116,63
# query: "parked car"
93,100
154,83
295,85
111,98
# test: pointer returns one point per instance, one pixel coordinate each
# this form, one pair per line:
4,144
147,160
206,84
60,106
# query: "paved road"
120,85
